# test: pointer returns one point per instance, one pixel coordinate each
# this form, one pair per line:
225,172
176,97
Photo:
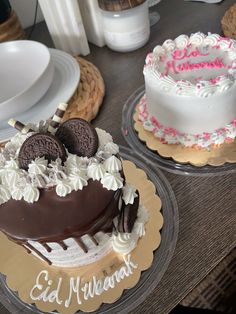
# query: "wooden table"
207,205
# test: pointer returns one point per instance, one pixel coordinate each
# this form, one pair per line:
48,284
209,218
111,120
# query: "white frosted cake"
191,91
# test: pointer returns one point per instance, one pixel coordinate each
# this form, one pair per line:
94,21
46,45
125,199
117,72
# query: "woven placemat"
217,291
11,29
228,22
88,97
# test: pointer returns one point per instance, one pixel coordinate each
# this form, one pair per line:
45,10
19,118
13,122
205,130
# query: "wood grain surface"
207,205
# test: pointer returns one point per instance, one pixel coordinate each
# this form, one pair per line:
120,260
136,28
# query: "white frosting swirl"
196,39
139,229
124,243
39,180
224,83
16,193
10,177
63,188
169,45
11,165
17,141
30,194
112,164
129,194
205,89
78,181
184,88
142,215
4,194
142,218
74,162
96,171
103,137
38,166
159,50
232,54
212,39
166,83
111,148
112,181
225,44
181,41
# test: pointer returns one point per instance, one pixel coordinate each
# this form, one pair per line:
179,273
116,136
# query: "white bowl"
26,72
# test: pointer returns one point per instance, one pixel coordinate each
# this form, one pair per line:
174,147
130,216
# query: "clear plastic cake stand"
150,156
150,278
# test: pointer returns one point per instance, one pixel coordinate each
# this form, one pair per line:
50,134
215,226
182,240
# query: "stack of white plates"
34,80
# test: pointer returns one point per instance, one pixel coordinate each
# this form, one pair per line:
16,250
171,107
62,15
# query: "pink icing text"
217,63
179,54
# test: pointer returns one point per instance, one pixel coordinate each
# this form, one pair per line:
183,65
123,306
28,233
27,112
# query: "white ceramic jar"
126,27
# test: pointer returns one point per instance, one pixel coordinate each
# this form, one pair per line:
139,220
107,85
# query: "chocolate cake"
63,194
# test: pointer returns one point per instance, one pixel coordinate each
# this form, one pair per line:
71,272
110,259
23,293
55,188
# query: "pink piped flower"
234,123
155,122
171,131
162,58
216,46
215,80
149,58
229,140
220,132
206,136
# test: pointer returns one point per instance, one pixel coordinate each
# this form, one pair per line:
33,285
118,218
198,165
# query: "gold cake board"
216,156
22,269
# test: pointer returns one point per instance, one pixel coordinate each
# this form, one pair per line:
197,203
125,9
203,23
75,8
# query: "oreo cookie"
79,137
41,145
128,215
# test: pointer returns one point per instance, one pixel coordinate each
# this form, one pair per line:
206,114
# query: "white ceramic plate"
22,83
65,81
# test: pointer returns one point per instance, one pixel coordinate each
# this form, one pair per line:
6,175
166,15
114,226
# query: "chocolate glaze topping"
55,218
128,215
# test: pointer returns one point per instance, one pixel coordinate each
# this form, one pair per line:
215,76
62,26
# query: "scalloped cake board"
31,277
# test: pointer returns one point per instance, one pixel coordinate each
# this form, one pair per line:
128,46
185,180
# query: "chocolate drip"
25,247
93,239
81,245
38,253
73,216
46,247
63,245
128,215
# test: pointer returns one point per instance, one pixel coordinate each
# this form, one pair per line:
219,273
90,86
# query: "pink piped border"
169,135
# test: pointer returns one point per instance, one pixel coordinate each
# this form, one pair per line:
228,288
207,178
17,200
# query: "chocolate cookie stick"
24,129
56,119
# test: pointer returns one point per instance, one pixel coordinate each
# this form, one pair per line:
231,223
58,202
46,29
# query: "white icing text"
48,291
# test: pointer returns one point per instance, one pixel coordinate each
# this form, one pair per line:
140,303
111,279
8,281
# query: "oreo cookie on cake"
63,194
